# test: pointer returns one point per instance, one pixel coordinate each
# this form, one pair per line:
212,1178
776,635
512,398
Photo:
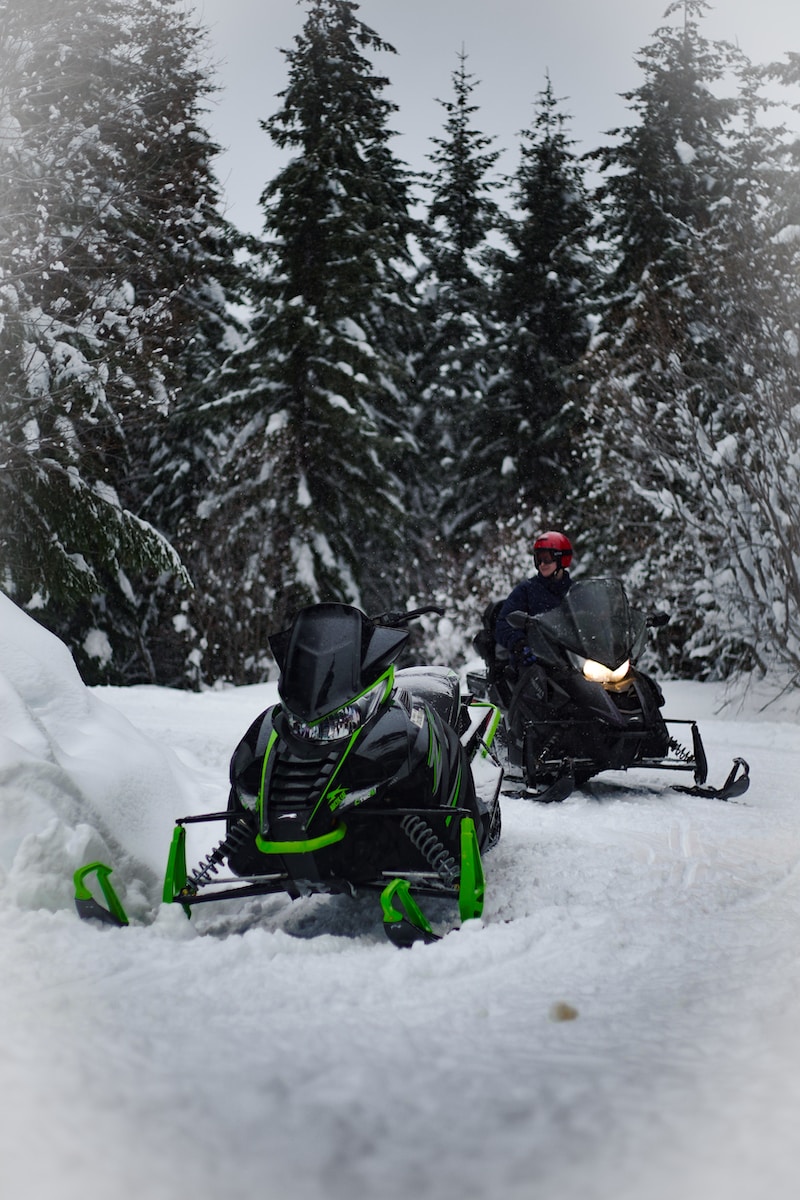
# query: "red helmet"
559,546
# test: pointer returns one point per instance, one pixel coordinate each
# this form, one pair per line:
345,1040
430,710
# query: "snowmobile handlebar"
519,619
397,619
657,619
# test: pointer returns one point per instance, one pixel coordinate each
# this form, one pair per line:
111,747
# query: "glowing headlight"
344,721
597,673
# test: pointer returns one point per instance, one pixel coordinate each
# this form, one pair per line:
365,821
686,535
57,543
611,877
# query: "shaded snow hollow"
286,1050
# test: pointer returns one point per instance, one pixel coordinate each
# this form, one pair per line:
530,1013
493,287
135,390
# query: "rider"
552,554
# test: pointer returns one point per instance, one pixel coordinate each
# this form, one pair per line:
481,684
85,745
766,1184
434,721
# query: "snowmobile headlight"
344,721
338,725
597,673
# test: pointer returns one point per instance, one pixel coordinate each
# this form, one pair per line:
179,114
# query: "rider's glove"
524,655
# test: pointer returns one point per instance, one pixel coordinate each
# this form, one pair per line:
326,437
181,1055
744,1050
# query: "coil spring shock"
680,751
541,757
420,834
239,833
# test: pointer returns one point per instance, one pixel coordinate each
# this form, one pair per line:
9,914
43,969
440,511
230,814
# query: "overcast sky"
588,47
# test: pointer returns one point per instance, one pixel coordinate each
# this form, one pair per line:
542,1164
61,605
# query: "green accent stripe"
273,737
388,675
493,727
456,792
434,750
308,846
327,789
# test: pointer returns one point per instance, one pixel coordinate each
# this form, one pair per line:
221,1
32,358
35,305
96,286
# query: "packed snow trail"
288,1049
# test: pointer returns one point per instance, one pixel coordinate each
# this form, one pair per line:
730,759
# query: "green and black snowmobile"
362,778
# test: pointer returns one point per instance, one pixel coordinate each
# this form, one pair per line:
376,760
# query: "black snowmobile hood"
330,654
593,620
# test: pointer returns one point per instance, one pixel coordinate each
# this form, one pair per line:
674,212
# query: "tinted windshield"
330,654
595,620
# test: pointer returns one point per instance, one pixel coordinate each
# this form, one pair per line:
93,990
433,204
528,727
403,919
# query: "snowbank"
77,780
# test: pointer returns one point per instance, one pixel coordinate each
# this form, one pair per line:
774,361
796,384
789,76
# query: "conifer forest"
385,396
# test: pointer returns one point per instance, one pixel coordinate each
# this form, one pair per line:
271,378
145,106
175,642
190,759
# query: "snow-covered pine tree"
313,500
452,367
81,344
518,454
542,288
667,178
725,456
193,257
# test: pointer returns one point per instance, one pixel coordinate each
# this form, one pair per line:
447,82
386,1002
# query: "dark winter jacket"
532,596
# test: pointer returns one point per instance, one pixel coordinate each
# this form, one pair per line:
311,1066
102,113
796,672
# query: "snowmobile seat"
493,654
500,675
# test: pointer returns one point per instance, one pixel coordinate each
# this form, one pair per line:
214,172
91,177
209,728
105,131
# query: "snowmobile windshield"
595,621
330,656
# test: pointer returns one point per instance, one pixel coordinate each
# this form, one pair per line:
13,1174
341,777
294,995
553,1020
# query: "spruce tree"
668,179
724,457
78,344
453,367
313,501
542,291
194,260
112,265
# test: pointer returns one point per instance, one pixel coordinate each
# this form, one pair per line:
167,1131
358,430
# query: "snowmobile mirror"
517,620
402,618
656,620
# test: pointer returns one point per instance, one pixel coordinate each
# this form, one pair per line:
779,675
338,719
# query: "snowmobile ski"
554,791
404,922
88,907
735,785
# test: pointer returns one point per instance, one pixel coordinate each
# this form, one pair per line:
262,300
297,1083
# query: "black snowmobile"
583,706
363,777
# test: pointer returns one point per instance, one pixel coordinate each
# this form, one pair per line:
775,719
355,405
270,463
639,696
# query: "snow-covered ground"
288,1051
